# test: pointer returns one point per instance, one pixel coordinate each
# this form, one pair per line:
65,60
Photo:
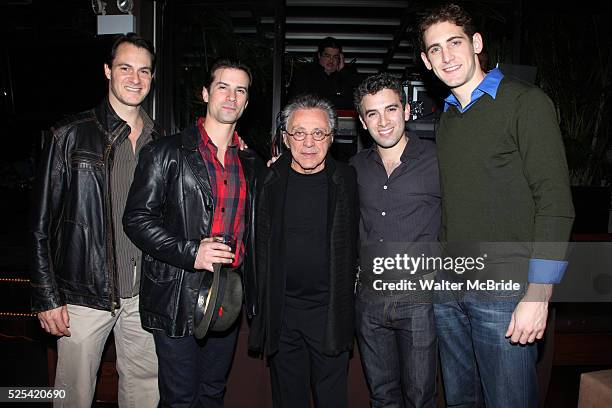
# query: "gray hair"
309,101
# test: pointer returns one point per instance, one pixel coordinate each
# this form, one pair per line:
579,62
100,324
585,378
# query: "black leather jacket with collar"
72,229
169,209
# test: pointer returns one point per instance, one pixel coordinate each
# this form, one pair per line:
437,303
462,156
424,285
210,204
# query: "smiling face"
453,56
129,78
384,118
227,96
308,155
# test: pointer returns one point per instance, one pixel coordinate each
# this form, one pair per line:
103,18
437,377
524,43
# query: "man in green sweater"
504,178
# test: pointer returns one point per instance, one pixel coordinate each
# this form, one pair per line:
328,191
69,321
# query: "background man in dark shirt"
306,259
327,76
399,198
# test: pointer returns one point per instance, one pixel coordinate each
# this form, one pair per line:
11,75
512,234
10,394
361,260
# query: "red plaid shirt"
228,187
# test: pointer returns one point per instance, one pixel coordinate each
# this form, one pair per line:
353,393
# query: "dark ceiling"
373,33
376,35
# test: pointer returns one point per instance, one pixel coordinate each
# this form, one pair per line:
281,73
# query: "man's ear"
362,123
205,94
477,43
285,141
425,61
107,71
407,112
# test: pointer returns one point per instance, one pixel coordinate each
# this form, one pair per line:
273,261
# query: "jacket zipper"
134,275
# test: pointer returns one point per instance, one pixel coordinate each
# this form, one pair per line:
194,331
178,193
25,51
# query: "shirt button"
223,209
225,182
383,213
381,240
384,187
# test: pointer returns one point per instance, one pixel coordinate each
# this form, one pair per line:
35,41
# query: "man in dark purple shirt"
399,196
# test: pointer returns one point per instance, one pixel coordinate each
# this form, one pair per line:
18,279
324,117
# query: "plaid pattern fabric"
228,187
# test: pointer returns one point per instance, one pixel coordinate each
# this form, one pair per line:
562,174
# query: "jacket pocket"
85,160
159,288
158,271
74,262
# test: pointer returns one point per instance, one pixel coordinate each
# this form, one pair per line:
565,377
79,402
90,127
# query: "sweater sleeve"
545,168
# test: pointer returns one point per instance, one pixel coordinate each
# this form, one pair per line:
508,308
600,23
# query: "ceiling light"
99,7
125,6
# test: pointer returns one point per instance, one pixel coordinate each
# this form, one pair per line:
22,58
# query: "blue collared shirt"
488,85
540,270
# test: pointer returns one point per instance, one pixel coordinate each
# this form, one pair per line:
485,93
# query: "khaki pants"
79,356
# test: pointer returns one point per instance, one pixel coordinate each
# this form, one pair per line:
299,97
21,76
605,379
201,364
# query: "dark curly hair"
376,83
451,13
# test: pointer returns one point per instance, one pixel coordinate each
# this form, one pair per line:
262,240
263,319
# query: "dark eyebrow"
125,64
237,87
431,46
455,37
448,40
393,105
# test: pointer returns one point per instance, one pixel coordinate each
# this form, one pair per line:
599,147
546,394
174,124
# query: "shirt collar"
146,119
206,140
145,134
147,128
412,150
489,85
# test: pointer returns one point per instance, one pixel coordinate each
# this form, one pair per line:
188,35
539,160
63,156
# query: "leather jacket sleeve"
46,212
145,219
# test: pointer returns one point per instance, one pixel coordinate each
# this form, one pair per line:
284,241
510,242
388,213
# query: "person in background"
328,76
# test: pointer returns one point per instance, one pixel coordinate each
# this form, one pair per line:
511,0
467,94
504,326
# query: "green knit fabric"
503,171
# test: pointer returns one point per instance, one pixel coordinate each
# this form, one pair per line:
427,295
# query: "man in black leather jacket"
85,272
188,188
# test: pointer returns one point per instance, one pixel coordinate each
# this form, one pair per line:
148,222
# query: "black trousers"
192,373
300,366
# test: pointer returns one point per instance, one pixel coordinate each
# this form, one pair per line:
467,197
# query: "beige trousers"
79,356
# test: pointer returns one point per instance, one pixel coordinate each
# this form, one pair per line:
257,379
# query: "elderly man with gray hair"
307,233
